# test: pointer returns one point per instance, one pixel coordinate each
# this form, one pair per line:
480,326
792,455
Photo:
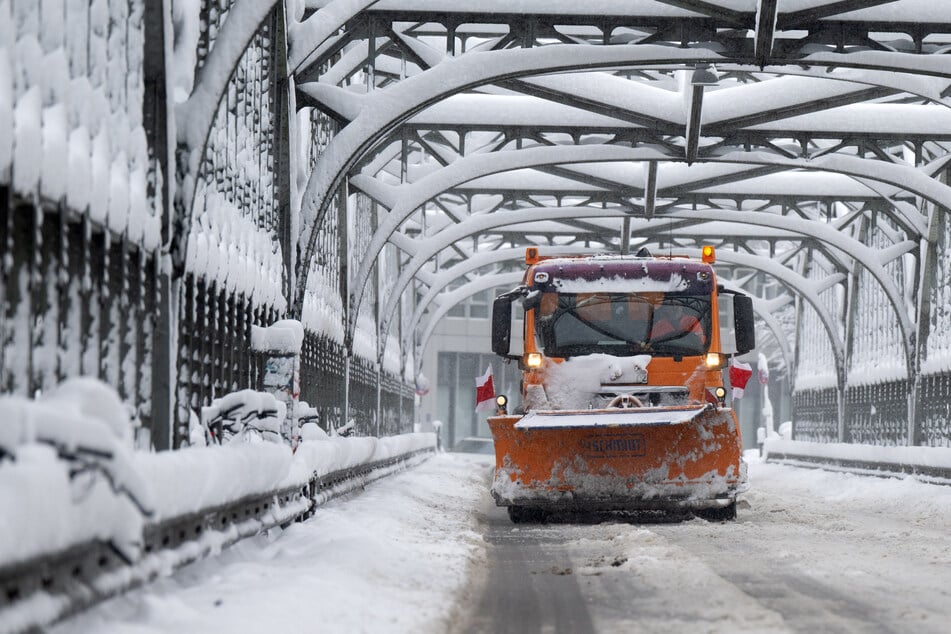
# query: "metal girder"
832,8
307,37
803,288
845,116
694,109
767,11
650,189
467,290
711,9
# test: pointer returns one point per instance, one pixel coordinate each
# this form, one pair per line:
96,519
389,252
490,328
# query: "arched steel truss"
826,127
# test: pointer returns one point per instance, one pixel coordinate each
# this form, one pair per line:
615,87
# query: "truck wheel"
718,514
525,515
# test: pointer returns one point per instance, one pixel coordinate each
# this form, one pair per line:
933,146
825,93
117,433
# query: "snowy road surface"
811,552
427,551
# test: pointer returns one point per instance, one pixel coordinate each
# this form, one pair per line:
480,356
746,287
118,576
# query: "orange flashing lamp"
708,254
531,255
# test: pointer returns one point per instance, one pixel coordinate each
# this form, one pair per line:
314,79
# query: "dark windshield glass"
624,324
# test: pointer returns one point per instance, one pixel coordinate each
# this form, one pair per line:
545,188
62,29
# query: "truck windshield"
621,324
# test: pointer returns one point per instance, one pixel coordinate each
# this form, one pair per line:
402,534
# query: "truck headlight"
715,360
533,360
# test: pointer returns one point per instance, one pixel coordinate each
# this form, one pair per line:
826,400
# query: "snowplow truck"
624,406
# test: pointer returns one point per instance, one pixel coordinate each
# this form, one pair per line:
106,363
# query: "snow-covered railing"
929,464
84,516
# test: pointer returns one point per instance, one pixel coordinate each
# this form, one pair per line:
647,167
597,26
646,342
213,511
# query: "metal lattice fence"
816,415
84,290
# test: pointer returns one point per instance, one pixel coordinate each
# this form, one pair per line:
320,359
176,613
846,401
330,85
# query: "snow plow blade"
618,459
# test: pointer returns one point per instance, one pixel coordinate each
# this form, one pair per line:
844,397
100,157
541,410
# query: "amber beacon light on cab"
624,406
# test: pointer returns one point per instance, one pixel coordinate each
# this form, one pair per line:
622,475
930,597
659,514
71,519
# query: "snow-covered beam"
306,39
764,310
196,115
462,293
801,286
768,106
864,256
650,189
831,8
609,96
694,108
711,9
675,180
735,107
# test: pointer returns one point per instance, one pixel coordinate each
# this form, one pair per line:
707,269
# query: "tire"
526,515
718,514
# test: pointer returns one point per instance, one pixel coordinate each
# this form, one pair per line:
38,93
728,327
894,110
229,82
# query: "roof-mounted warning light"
531,255
708,254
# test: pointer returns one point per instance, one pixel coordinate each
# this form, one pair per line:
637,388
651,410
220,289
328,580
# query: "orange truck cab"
623,401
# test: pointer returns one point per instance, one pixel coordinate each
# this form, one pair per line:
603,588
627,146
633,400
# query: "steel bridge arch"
865,256
859,252
484,164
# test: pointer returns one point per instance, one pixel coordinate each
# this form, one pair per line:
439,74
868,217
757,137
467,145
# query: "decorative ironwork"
816,416
877,414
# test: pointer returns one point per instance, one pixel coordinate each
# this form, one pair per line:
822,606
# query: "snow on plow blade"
644,458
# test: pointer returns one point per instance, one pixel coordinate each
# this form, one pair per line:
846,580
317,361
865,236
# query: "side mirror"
502,324
737,334
743,321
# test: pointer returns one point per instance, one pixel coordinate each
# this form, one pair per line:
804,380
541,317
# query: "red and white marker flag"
485,391
740,373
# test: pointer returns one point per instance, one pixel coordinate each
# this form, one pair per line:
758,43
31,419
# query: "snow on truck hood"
610,418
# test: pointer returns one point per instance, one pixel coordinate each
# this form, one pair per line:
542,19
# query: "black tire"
718,514
526,515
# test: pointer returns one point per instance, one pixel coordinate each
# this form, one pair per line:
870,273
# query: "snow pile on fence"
226,247
285,335
319,454
69,473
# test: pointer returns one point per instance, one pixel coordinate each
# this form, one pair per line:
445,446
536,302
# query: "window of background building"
474,307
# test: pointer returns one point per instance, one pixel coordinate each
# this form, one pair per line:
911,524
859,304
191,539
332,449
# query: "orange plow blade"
620,459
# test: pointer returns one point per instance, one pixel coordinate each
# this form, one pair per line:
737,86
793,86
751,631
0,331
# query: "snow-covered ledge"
929,464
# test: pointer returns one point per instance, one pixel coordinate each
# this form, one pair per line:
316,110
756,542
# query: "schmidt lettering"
613,445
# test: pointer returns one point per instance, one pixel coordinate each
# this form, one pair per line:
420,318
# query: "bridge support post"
160,140
281,344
